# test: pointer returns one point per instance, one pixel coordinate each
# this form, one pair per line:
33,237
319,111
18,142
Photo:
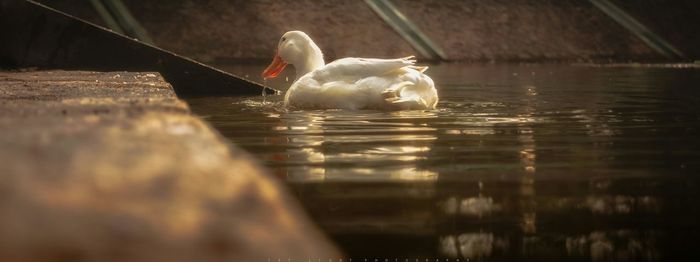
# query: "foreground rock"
112,167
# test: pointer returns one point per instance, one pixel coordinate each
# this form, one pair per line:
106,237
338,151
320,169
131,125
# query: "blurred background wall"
218,31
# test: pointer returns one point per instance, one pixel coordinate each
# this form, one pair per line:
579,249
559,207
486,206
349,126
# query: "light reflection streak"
478,206
528,158
611,245
325,139
622,204
472,245
618,245
400,174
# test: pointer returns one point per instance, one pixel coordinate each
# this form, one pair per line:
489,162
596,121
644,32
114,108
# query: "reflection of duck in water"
350,83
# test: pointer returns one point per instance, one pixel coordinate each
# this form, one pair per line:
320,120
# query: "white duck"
350,83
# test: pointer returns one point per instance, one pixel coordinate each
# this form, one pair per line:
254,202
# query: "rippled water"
527,162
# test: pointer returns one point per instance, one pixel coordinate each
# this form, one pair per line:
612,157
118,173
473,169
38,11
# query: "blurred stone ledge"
245,31
113,167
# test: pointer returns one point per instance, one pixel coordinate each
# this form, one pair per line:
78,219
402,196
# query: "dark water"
538,162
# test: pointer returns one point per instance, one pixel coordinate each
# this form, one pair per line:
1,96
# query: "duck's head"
296,48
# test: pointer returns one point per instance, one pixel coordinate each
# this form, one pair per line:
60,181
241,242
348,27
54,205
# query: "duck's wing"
353,68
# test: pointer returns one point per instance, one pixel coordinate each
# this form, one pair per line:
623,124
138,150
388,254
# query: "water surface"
520,162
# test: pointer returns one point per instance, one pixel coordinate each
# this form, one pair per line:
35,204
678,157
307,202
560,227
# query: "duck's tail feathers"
392,96
418,68
411,59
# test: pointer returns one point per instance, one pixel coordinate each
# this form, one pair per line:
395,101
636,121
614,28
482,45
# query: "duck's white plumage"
350,83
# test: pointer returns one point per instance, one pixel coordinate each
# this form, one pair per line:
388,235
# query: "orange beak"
274,69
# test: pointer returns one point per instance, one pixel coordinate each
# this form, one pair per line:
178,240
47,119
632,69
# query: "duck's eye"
283,39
